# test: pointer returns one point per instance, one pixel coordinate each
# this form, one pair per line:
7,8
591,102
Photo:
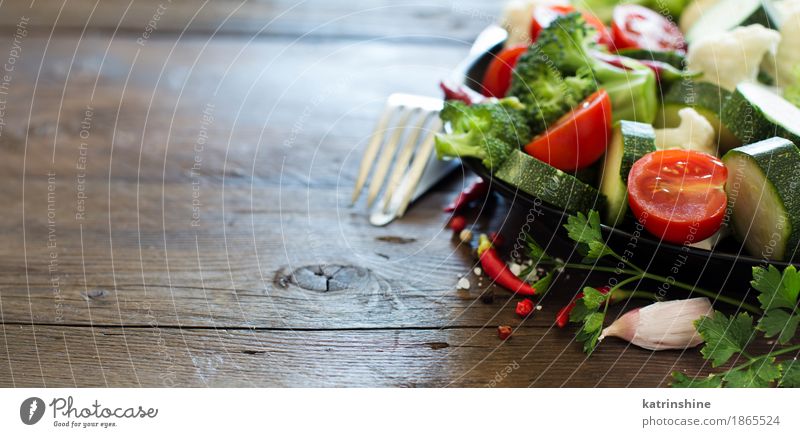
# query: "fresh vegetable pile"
692,132
689,133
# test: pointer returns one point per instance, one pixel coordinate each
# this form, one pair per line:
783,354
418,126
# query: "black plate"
727,266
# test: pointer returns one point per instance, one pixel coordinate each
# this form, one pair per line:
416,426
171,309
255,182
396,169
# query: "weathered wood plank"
298,118
152,356
438,20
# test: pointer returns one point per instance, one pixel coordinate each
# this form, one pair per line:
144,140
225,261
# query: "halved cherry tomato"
678,195
497,78
636,26
544,15
578,138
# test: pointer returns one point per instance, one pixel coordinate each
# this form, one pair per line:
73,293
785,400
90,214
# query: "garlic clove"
662,325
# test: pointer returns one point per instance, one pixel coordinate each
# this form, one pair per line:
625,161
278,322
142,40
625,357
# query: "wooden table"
166,190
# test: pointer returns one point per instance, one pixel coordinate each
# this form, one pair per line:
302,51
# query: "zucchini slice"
707,99
548,183
629,142
676,59
728,14
754,113
763,201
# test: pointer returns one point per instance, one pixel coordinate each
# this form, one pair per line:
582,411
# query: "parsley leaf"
681,380
777,291
791,374
583,229
535,251
724,336
587,311
761,373
778,297
781,323
590,332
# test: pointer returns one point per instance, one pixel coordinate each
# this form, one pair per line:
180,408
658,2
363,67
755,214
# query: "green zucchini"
548,183
675,59
729,14
763,201
707,99
755,113
629,142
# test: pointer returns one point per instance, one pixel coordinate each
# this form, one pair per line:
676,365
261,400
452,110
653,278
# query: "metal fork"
410,117
416,168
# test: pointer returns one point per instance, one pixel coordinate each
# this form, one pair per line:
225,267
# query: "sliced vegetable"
498,75
548,183
578,138
674,58
754,113
564,51
543,15
693,133
664,73
765,206
636,26
678,195
728,14
693,11
707,99
630,141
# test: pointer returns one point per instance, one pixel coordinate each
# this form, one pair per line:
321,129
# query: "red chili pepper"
459,92
477,189
504,332
496,268
524,308
562,318
458,223
496,238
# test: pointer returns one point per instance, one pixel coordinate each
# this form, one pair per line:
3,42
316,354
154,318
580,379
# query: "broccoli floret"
567,45
489,131
546,92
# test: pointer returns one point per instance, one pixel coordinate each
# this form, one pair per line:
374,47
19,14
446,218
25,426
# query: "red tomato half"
544,15
636,26
578,138
497,78
678,195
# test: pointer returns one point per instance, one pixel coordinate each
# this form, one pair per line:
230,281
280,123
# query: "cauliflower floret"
693,133
782,65
732,57
517,15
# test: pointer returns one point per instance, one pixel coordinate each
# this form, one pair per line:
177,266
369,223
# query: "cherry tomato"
678,195
578,138
498,75
544,15
636,26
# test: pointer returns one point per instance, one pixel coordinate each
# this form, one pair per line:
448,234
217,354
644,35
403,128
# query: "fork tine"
387,155
372,149
403,158
418,166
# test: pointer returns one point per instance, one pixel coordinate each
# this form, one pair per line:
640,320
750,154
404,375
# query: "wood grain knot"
329,277
95,294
